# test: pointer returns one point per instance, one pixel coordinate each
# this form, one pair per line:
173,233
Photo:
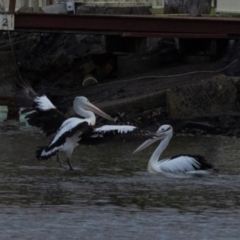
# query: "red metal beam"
205,27
174,35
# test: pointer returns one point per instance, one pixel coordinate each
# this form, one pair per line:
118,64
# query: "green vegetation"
157,10
213,11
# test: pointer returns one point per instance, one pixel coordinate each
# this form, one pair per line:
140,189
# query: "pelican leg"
69,164
59,160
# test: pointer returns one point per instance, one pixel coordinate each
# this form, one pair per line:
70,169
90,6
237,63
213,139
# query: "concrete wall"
228,6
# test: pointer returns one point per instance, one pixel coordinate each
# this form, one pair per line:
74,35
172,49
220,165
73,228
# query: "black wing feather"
93,138
49,120
61,140
203,163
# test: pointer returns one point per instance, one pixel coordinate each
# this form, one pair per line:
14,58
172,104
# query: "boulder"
211,96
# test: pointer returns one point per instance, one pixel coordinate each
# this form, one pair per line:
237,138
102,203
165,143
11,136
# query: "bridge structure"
137,26
131,25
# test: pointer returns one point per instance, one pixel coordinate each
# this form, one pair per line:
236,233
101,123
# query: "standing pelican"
180,164
68,131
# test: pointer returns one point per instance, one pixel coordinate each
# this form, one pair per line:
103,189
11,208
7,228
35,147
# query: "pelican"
68,131
184,164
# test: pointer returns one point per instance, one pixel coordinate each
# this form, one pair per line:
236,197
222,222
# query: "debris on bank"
210,106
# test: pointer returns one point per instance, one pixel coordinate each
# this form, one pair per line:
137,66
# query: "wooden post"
140,45
12,5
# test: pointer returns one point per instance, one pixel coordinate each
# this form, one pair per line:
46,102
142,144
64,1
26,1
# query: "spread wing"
108,133
39,110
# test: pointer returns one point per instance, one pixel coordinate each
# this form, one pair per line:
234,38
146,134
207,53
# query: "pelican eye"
165,130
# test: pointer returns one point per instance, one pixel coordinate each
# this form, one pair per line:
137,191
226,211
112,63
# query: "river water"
110,195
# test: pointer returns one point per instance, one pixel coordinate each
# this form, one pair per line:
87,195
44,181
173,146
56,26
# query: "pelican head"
163,132
83,102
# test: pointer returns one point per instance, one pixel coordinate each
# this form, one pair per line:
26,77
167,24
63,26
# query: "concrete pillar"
35,5
42,3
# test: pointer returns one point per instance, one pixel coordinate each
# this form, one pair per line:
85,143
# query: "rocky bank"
142,89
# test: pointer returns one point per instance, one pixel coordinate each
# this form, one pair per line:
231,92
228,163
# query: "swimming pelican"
68,131
181,164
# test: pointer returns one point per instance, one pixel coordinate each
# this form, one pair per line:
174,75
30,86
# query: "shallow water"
110,195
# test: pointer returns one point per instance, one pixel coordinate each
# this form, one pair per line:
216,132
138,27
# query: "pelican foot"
59,161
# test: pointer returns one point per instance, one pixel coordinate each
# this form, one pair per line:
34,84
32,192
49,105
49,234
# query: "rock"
60,61
212,96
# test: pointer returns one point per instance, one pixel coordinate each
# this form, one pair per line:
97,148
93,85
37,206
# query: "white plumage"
121,129
182,164
43,103
67,126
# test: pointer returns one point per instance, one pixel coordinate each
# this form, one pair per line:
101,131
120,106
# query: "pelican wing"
39,110
117,132
180,164
71,131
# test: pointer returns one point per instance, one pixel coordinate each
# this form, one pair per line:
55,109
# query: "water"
111,196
